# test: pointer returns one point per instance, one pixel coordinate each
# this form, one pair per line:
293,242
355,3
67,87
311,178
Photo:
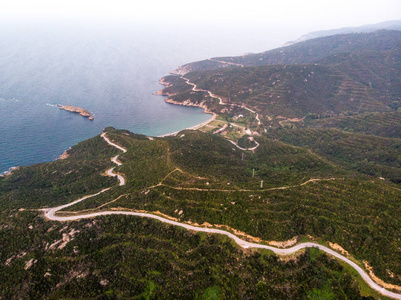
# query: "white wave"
9,99
9,171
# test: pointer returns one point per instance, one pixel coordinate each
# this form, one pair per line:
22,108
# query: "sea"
111,69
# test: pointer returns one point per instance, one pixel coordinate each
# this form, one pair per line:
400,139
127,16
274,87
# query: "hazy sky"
245,26
305,14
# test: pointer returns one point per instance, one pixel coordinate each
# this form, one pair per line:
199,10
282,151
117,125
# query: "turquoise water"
110,70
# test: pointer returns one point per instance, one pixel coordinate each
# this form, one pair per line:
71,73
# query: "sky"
306,14
260,24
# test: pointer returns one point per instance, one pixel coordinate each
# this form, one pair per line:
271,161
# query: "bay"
110,69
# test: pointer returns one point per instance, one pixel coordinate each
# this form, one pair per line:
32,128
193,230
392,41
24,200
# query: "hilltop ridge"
309,51
388,25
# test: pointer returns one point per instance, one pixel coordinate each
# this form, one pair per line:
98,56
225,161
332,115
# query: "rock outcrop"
75,109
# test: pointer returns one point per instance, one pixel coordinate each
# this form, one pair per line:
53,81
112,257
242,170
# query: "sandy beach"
193,127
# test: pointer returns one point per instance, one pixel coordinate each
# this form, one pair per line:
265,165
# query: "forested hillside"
308,193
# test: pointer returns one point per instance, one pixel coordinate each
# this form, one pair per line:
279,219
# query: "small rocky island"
75,109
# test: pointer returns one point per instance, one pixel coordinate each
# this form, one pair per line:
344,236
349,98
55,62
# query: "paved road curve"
50,214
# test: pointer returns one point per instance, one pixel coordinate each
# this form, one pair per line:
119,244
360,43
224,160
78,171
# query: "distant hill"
310,51
388,25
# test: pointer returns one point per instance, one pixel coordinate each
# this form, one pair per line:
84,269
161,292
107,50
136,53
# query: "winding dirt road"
114,159
244,149
226,62
196,89
51,215
221,102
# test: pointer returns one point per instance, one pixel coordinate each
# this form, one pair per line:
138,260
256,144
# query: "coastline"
9,171
185,103
65,154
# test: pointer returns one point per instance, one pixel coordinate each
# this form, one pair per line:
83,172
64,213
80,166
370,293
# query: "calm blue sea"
109,69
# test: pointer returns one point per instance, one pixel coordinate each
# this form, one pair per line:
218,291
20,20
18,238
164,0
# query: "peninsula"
75,109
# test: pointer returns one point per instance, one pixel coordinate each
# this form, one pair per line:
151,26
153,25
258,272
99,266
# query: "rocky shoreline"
184,103
9,172
75,109
64,155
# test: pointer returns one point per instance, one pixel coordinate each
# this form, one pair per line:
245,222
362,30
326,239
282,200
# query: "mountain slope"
200,177
325,77
291,91
309,51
